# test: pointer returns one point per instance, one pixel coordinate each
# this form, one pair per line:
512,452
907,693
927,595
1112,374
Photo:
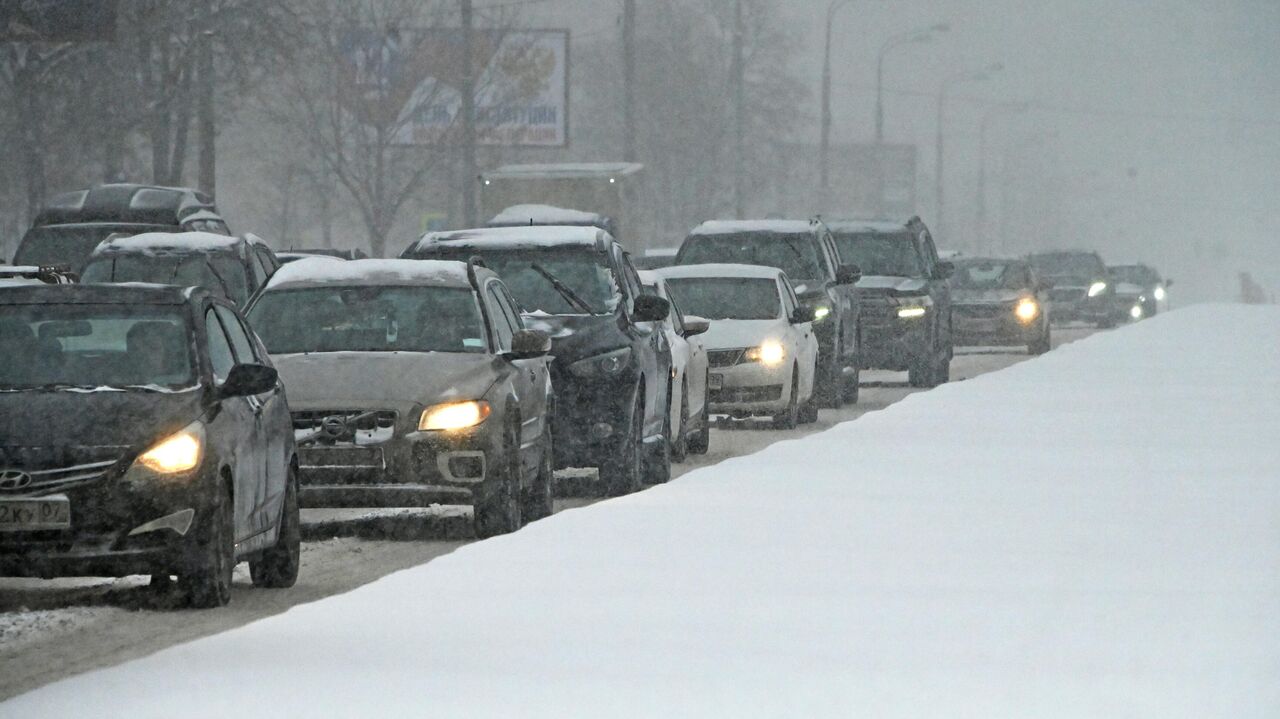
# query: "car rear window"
727,298
794,254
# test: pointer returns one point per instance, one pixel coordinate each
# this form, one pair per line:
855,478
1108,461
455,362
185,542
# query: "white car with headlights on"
761,346
412,383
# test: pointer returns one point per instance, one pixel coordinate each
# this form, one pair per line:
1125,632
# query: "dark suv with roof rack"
73,223
610,374
231,267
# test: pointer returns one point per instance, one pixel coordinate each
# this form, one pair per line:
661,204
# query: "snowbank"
1093,533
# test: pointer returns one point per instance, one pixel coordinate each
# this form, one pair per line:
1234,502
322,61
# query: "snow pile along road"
1091,533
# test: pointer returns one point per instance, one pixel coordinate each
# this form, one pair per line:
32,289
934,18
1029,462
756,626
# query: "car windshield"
1133,274
369,318
983,275
794,254
1069,264
91,346
877,253
69,245
728,298
525,272
219,273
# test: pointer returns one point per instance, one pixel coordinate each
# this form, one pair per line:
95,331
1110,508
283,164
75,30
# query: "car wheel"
499,512
942,372
809,411
277,568
828,385
853,385
206,581
679,437
539,499
620,474
1042,343
657,458
791,415
701,442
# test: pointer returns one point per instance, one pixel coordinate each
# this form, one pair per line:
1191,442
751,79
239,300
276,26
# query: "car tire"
206,581
277,568
809,411
700,442
679,438
499,511
790,417
1041,344
828,381
620,474
539,500
853,385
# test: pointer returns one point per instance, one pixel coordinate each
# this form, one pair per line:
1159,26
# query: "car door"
695,364
939,284
799,338
236,427
654,362
846,297
523,375
273,422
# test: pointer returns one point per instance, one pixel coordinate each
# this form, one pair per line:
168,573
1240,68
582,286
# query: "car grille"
725,358
767,393
362,426
1067,294
64,473
981,312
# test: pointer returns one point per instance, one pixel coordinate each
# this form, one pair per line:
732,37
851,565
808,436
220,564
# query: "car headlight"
820,312
1097,288
609,364
454,416
1136,312
1026,309
177,453
913,306
1159,293
770,352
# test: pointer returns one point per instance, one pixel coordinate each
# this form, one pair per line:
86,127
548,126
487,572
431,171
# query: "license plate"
23,515
716,381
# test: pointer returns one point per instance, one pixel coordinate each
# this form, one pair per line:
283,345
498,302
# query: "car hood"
979,297
94,418
390,380
734,334
1072,281
574,337
891,283
1129,289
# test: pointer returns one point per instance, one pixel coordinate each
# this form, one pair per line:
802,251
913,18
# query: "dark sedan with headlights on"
412,383
998,303
1082,288
142,431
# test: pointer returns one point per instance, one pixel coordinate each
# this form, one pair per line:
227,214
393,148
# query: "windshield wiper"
565,291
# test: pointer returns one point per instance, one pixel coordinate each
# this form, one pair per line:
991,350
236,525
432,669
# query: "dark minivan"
143,430
73,223
803,249
233,268
610,373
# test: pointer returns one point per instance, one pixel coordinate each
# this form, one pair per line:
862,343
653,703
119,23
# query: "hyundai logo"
12,479
334,426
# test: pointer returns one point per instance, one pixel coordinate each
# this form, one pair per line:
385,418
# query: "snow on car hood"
108,417
987,296
891,282
392,380
733,334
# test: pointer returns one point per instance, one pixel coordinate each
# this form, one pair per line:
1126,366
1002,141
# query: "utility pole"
740,114
469,170
629,80
940,185
208,179
824,145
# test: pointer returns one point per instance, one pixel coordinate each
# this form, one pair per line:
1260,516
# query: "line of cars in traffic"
171,415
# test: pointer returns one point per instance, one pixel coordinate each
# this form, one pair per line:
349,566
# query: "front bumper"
592,417
750,388
894,343
993,325
1072,304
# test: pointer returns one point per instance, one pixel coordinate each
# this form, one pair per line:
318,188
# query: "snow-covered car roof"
543,215
530,237
719,270
733,227
567,170
170,241
866,226
324,271
295,256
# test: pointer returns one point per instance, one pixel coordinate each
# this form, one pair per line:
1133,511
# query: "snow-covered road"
53,629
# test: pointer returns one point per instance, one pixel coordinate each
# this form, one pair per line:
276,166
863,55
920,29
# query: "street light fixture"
825,143
919,35
966,76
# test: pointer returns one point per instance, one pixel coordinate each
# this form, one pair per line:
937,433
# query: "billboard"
409,82
57,20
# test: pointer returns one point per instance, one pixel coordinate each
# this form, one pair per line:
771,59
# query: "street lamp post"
924,34
981,202
825,143
967,76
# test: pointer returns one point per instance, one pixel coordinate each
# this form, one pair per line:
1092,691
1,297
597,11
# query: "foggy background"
1146,132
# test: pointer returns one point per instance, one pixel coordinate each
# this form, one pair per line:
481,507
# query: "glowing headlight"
1097,288
821,312
179,452
452,416
908,313
1159,293
1026,309
770,353
1136,312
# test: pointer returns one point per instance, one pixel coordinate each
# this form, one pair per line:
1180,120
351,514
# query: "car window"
232,274
728,298
502,324
795,254
259,270
221,358
240,341
630,278
789,299
509,307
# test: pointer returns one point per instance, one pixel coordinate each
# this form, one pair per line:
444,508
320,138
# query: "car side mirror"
249,379
650,308
694,325
803,314
528,344
944,271
848,274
